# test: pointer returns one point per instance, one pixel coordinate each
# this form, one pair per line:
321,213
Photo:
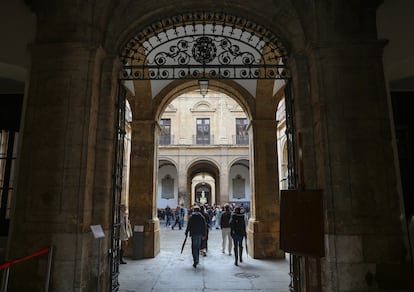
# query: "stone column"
224,183
354,163
192,193
56,168
264,223
104,151
144,167
182,182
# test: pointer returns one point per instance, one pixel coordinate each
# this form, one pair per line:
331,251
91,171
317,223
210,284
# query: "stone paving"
171,271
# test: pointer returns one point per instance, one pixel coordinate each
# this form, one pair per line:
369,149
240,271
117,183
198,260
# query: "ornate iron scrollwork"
178,53
204,50
205,45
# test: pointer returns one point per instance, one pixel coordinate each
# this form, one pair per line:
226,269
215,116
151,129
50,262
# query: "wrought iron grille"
290,138
294,260
204,45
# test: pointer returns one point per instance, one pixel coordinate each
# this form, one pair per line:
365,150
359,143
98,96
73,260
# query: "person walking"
204,241
197,228
183,214
177,218
217,213
125,232
168,216
225,229
238,232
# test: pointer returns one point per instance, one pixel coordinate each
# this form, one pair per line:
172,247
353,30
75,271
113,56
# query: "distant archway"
205,167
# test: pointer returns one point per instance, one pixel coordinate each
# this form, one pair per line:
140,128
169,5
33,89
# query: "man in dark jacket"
197,228
238,232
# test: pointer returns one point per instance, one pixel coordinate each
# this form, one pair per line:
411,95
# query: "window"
165,135
203,131
241,132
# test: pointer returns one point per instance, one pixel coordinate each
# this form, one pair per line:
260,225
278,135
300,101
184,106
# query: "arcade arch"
239,182
168,180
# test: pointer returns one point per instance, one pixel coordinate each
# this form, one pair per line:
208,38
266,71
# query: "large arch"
261,129
76,58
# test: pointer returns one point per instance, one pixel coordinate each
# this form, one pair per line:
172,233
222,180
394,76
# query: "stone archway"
203,167
65,173
268,65
76,75
306,92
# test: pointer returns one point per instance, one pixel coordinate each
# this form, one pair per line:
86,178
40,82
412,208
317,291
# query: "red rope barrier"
11,263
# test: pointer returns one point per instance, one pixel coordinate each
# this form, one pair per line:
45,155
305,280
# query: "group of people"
233,228
176,215
231,220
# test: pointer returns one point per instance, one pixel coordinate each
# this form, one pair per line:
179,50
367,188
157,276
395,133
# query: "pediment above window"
202,106
170,109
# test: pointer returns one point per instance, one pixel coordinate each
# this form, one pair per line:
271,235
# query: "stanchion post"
49,268
98,284
5,280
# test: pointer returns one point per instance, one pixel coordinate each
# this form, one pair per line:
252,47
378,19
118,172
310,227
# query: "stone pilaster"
104,151
354,162
142,198
56,168
264,225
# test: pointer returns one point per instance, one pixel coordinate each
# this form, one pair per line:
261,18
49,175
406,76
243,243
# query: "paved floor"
171,271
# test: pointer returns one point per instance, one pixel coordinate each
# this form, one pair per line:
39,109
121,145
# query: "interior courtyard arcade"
330,61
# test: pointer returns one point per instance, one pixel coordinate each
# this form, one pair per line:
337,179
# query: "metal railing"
7,265
209,140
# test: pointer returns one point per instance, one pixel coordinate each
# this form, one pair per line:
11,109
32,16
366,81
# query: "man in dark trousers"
197,228
238,232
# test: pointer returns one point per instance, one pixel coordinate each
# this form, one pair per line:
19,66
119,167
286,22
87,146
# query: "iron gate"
117,186
294,260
